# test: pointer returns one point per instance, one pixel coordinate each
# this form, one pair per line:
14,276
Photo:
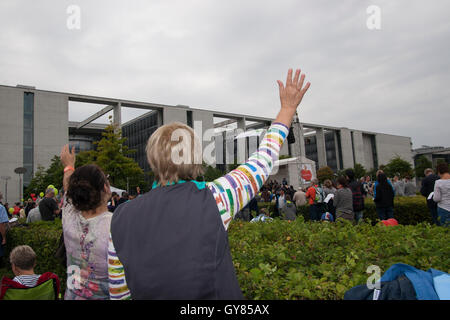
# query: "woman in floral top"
86,225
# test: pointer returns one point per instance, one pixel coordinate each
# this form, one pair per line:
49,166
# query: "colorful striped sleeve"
234,191
118,289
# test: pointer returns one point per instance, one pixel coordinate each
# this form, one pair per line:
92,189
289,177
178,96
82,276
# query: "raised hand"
67,156
292,94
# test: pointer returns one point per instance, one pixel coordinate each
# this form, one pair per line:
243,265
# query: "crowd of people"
171,242
344,197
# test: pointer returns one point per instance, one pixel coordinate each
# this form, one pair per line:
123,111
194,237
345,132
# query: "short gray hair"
23,257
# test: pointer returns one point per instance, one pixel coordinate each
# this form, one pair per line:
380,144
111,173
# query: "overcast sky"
227,56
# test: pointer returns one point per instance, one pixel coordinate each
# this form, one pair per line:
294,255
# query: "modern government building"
34,125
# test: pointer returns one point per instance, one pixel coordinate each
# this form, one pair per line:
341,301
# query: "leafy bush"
43,237
291,260
313,260
407,210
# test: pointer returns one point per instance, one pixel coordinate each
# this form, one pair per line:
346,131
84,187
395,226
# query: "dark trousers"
432,206
315,212
385,213
443,217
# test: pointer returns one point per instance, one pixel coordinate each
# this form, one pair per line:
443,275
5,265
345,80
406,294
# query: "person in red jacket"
315,209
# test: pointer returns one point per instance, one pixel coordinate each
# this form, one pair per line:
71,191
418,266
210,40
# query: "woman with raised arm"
172,242
86,227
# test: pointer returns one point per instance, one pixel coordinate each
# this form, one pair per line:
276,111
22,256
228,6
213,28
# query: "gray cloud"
227,55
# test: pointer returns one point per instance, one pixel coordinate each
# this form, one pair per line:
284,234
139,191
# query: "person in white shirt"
34,215
442,195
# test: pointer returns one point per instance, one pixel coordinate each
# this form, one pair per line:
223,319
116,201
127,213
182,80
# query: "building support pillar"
346,148
321,149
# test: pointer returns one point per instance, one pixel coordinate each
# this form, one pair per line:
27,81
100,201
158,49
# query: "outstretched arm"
233,191
68,162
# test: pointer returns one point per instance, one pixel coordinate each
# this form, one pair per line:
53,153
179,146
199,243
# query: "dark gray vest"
172,244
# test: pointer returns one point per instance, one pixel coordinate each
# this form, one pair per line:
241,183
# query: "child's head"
22,258
174,153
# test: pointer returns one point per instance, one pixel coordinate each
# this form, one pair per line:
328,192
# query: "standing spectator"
376,184
266,195
410,187
6,205
316,198
343,200
16,211
300,198
86,226
125,198
328,188
172,242
399,186
34,215
291,191
282,199
3,222
426,189
114,202
357,193
284,182
368,186
289,211
22,212
48,206
384,198
30,205
442,194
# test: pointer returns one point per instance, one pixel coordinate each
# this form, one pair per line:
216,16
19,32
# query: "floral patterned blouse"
86,242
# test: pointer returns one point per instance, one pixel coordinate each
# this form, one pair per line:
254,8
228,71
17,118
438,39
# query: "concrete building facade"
34,125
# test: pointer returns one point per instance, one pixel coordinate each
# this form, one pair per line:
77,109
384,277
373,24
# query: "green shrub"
313,260
291,260
407,210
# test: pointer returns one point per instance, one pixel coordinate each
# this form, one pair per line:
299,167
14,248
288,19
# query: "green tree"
43,178
37,183
55,173
325,173
399,166
211,173
422,163
359,170
112,155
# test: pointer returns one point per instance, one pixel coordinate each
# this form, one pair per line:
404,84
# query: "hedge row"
313,260
292,260
407,210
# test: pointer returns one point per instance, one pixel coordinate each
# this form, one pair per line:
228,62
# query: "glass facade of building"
330,146
137,134
28,136
311,149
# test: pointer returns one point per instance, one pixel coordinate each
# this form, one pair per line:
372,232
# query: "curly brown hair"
86,187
